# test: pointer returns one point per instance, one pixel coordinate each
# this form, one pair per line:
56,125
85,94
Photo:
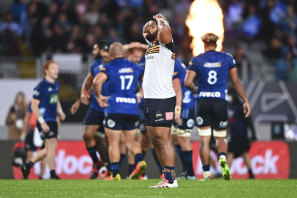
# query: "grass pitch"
137,188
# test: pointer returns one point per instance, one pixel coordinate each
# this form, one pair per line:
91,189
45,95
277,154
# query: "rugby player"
159,94
121,113
30,147
46,106
93,134
212,70
184,127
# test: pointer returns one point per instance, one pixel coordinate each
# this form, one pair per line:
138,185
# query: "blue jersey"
212,71
141,64
47,93
94,69
122,79
180,72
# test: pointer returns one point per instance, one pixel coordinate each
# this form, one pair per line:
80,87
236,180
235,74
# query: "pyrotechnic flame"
205,16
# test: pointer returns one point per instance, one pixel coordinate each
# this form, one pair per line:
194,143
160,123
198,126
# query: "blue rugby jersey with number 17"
122,78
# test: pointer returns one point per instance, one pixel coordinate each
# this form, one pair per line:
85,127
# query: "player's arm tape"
139,94
177,110
60,111
41,120
160,20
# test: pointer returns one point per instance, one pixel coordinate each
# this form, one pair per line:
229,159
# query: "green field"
135,188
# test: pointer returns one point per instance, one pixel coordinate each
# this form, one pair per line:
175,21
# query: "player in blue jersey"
30,146
182,129
93,134
121,113
212,70
135,53
46,106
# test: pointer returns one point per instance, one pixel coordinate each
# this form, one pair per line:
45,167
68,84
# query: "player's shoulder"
227,55
96,63
41,84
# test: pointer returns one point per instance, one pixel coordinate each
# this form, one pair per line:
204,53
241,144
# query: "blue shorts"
94,117
53,132
29,142
212,112
121,121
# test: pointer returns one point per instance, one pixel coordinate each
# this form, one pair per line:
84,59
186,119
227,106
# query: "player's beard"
97,56
152,37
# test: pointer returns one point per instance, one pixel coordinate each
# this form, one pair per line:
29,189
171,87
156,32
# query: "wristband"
60,111
177,110
139,94
41,120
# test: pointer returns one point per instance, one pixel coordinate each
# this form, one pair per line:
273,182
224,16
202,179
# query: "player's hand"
102,101
139,97
160,16
62,115
178,119
23,136
45,128
246,109
85,99
75,107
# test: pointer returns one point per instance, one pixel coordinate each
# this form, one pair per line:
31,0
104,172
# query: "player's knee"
220,133
204,132
87,136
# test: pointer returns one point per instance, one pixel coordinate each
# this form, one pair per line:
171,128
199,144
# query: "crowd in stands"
73,26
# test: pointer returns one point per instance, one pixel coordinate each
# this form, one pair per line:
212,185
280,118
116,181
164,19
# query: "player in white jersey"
159,94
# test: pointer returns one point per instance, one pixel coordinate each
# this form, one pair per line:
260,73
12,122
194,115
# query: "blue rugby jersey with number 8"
212,71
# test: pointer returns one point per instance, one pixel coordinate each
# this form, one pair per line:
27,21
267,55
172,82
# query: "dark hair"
103,45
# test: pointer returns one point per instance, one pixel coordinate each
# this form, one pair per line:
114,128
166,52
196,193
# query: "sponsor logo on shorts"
169,115
110,123
210,94
190,123
158,115
223,124
51,133
137,123
199,120
159,120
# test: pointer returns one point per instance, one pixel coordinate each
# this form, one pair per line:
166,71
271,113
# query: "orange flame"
205,16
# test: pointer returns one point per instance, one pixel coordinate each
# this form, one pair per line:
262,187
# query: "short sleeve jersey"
47,93
159,66
94,70
188,101
122,79
212,71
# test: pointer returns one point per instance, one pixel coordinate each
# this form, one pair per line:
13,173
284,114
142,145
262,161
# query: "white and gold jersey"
159,67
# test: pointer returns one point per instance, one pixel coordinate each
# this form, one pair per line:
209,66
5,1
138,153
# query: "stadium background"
66,30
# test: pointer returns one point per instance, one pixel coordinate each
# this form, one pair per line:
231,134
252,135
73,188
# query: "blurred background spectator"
15,117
